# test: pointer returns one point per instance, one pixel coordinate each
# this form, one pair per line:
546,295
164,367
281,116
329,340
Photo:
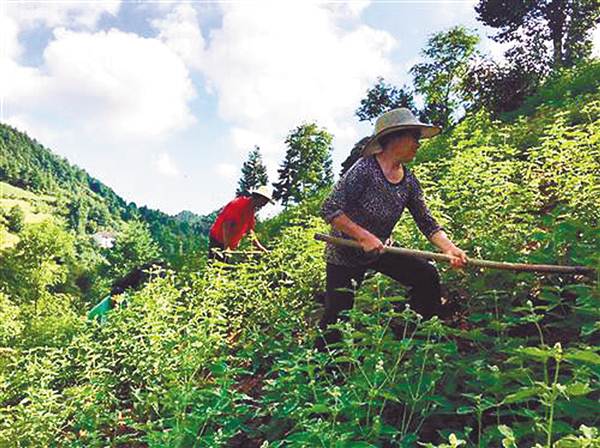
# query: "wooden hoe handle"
472,261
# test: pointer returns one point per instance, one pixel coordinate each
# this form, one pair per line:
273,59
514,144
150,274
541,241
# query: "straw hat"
263,191
397,120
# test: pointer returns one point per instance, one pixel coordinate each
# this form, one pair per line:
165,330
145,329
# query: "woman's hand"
371,244
459,257
443,243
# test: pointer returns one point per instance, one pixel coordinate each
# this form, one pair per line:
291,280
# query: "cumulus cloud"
274,65
227,171
348,10
179,30
9,35
165,165
451,12
54,14
111,83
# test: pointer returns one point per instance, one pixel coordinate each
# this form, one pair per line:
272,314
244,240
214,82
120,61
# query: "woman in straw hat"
366,204
235,220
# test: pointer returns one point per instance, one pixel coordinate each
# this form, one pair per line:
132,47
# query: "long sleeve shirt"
240,212
365,196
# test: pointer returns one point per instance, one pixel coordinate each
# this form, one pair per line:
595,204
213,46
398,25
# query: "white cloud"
9,37
227,171
277,64
179,30
450,13
348,10
113,84
165,165
54,14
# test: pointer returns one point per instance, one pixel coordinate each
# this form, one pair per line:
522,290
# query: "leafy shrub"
15,219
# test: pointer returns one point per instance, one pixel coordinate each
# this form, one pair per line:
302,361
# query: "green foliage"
254,173
35,274
133,247
383,97
38,262
15,219
544,33
12,326
498,87
440,78
560,89
307,164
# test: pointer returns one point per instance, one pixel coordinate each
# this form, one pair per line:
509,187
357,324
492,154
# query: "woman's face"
405,147
259,201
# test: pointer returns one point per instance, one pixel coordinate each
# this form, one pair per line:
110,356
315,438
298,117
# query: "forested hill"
87,204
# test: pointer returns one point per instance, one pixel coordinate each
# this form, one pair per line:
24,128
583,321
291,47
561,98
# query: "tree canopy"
307,164
546,33
441,76
383,97
254,173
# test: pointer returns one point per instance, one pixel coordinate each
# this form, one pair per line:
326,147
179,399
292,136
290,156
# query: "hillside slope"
86,203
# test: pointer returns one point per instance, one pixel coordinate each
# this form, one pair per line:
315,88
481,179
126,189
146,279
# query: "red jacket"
241,213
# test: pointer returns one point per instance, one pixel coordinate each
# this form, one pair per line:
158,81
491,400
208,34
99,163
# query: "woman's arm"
443,243
227,231
257,243
431,229
367,240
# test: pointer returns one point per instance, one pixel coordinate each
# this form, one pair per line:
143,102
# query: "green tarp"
100,310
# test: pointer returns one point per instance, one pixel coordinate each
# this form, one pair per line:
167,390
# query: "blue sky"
162,101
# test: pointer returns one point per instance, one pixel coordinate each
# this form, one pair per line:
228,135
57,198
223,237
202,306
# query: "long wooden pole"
472,261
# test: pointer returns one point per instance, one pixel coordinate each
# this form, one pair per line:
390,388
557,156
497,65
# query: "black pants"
420,276
218,253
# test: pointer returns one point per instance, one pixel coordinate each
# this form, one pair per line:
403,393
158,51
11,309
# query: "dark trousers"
420,276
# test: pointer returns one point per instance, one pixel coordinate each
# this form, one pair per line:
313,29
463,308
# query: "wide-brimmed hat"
265,192
397,120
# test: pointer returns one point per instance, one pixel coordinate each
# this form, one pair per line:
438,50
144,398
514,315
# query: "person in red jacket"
236,220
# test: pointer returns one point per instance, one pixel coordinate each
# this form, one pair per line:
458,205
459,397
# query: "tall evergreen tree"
440,78
307,164
254,173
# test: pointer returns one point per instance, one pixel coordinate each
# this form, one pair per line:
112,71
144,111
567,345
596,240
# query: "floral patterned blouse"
370,200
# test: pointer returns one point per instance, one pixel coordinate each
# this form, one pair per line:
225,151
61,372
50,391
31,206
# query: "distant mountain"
187,216
203,222
87,204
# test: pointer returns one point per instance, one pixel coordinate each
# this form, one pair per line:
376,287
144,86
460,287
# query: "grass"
8,191
30,203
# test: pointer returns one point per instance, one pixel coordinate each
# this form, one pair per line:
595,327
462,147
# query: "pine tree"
307,166
254,173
